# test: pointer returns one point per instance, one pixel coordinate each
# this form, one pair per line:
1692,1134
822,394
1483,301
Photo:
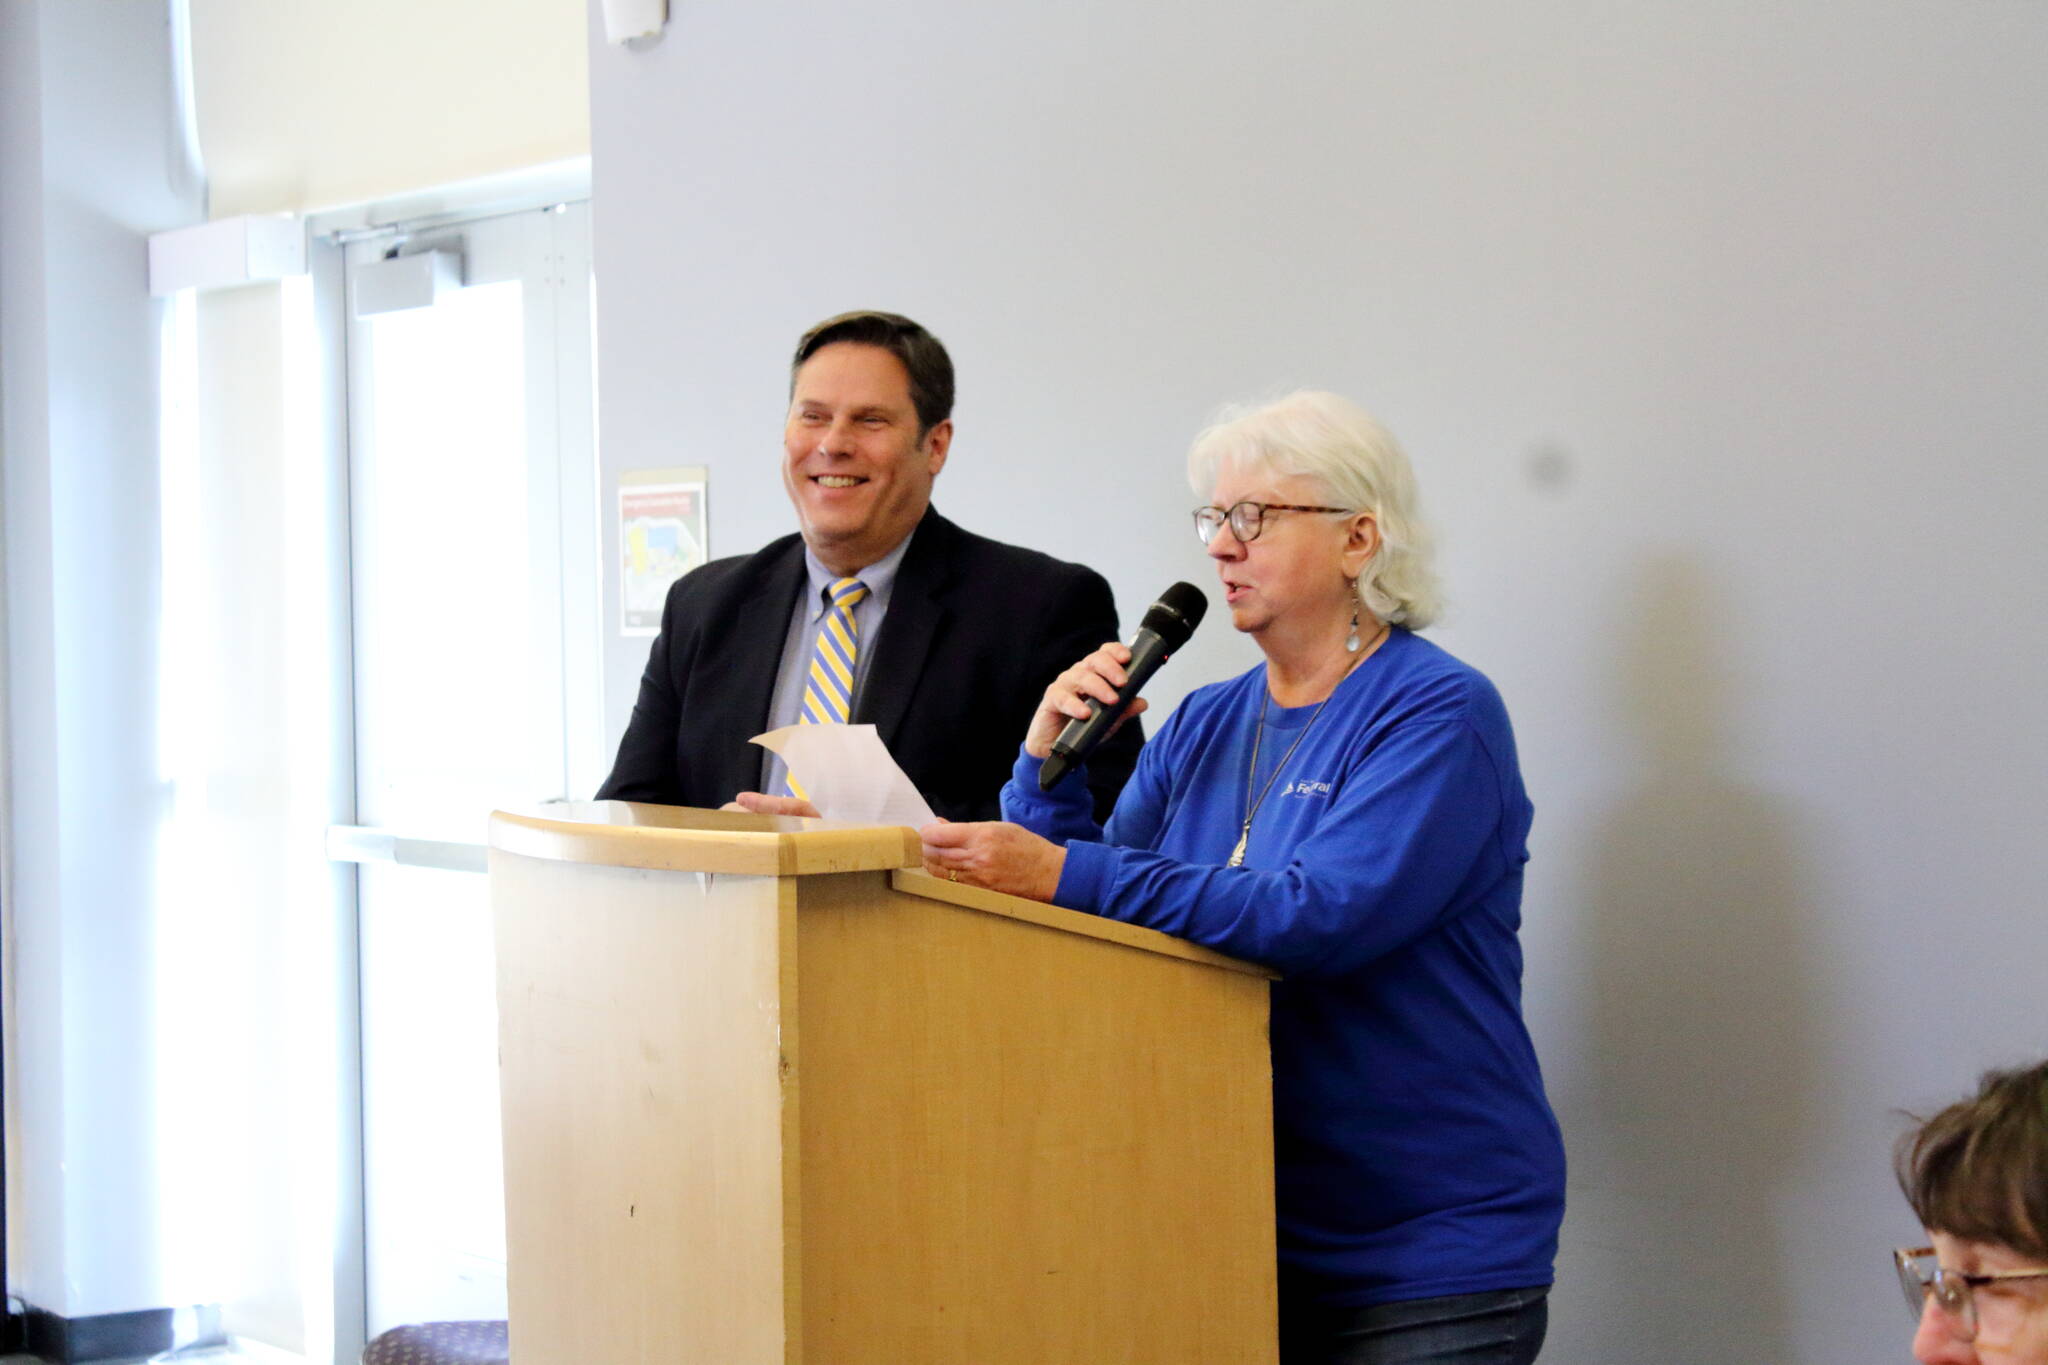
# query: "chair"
441,1343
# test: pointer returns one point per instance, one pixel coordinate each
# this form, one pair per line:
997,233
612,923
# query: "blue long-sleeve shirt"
1415,1153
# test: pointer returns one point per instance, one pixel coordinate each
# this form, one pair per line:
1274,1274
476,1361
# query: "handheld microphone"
1166,627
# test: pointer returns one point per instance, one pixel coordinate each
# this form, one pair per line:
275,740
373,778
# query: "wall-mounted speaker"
625,20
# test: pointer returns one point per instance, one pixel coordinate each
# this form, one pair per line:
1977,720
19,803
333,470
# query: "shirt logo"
1306,789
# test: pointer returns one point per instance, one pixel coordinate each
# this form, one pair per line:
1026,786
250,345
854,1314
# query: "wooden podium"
773,1095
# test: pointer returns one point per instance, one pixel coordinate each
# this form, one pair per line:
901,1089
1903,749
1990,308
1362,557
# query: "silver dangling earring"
1351,643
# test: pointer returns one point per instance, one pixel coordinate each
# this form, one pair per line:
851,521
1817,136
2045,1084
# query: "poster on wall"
661,538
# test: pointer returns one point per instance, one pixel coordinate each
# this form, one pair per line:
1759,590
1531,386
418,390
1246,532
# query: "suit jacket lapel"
742,672
917,610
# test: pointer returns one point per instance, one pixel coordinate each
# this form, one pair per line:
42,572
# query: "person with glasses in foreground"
1349,812
1976,1175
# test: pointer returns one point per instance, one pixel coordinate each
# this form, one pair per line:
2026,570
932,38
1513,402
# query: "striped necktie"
828,682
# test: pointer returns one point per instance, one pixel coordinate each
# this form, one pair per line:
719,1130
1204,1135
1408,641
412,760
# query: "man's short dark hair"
930,368
1978,1170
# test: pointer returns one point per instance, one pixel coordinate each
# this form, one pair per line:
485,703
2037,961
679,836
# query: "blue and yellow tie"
828,683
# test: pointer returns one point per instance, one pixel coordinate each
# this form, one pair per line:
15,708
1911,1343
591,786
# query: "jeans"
1500,1327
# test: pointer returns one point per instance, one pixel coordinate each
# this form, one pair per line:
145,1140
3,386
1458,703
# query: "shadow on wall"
1699,960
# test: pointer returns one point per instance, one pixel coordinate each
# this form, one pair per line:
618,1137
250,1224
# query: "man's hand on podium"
762,804
995,854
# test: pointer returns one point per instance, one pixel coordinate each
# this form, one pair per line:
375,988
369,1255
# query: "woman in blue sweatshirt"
1349,812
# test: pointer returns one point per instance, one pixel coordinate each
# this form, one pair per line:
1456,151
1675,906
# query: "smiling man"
879,611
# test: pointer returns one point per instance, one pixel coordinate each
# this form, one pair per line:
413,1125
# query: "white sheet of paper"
848,774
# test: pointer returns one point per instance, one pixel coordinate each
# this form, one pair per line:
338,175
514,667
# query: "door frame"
349,844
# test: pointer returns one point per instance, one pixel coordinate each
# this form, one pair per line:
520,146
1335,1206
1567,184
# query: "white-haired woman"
1349,812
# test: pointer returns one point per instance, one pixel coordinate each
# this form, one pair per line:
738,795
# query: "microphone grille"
1175,615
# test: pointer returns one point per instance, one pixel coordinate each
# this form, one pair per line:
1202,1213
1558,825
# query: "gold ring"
952,874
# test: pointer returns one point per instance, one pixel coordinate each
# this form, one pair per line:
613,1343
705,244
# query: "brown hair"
929,367
1978,1170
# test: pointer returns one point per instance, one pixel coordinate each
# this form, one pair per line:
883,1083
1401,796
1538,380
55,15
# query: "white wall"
1716,334
89,166
306,106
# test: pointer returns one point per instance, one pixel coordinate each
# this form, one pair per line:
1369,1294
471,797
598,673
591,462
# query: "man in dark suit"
942,639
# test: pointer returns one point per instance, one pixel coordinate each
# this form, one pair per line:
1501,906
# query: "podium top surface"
921,883
686,839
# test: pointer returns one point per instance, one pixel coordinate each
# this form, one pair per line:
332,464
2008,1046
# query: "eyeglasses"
1247,519
1921,1276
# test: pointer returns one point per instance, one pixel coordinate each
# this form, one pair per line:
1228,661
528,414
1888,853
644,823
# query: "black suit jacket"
974,632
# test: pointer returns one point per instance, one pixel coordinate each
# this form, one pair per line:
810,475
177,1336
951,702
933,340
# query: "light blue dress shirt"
868,614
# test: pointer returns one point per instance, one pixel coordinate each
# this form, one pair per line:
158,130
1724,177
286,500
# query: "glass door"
475,597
